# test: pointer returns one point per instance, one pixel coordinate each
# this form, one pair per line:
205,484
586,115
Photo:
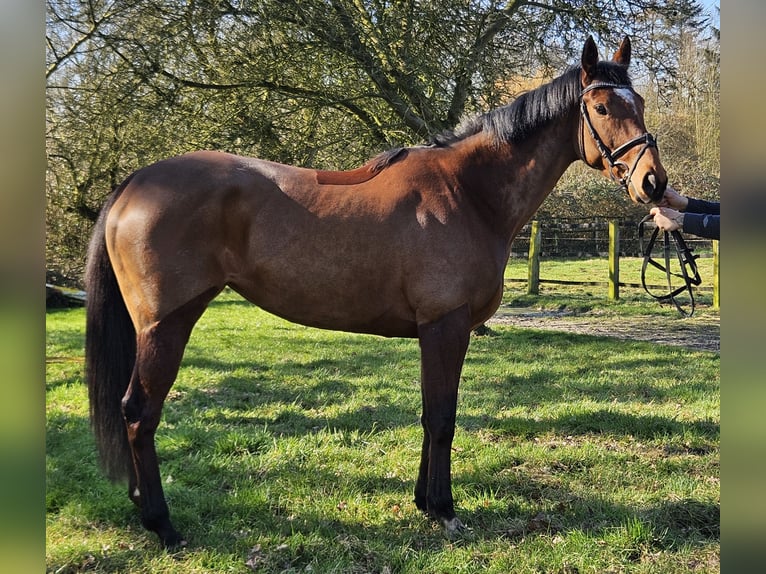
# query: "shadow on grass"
308,386
599,422
275,535
73,477
217,516
206,449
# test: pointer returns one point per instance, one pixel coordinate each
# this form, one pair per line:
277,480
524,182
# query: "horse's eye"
600,109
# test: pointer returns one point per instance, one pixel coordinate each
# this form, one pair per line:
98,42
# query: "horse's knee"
441,429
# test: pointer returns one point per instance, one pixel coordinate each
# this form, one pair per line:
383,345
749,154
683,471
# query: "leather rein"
686,259
612,156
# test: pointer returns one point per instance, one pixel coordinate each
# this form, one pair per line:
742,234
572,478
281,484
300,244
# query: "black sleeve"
703,225
702,206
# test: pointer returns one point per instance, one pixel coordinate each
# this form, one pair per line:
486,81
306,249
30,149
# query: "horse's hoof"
173,541
454,528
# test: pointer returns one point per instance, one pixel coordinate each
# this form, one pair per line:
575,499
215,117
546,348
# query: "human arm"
702,206
674,200
699,224
702,225
694,216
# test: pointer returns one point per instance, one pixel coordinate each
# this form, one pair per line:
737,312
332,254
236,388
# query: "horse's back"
204,220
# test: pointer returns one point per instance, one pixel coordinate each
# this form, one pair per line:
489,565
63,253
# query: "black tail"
110,352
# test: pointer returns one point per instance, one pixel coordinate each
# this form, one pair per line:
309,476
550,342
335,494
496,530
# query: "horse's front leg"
443,344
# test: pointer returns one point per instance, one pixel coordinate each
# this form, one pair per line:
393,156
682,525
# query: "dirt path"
701,333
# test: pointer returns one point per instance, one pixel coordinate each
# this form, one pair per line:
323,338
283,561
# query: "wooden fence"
600,237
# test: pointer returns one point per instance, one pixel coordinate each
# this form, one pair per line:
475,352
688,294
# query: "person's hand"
667,219
671,198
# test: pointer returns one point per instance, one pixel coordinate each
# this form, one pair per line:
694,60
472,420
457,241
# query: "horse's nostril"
651,187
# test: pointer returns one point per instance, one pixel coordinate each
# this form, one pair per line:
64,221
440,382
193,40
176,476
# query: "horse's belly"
348,309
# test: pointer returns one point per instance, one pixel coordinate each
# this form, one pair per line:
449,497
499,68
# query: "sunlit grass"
289,449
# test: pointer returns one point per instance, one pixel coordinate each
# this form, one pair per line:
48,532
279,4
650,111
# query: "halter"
686,259
647,139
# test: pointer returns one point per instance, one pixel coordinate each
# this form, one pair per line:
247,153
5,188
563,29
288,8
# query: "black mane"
533,109
525,115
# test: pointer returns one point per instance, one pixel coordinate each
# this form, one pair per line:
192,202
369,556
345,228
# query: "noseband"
612,157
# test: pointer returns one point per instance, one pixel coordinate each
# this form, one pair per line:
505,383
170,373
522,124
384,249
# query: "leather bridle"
686,260
612,156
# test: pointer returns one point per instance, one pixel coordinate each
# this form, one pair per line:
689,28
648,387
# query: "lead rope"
686,259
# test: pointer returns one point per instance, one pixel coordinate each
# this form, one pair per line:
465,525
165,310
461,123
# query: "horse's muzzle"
653,187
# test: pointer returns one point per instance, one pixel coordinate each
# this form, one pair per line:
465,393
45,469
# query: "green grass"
583,298
289,449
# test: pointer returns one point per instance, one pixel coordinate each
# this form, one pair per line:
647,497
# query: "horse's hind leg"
159,350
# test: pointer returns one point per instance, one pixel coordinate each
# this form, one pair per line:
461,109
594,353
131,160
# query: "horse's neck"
514,179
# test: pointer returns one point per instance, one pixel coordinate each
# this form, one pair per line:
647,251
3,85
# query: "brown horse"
414,244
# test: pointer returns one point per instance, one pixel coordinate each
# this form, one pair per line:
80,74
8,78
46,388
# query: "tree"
317,82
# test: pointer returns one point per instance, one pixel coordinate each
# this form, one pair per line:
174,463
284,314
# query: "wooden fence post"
614,259
533,274
716,280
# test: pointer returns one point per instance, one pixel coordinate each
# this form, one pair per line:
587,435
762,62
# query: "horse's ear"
622,55
588,61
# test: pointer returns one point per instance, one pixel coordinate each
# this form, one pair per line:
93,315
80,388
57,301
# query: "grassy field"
633,299
289,449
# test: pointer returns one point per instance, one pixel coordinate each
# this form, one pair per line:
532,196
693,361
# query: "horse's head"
612,134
